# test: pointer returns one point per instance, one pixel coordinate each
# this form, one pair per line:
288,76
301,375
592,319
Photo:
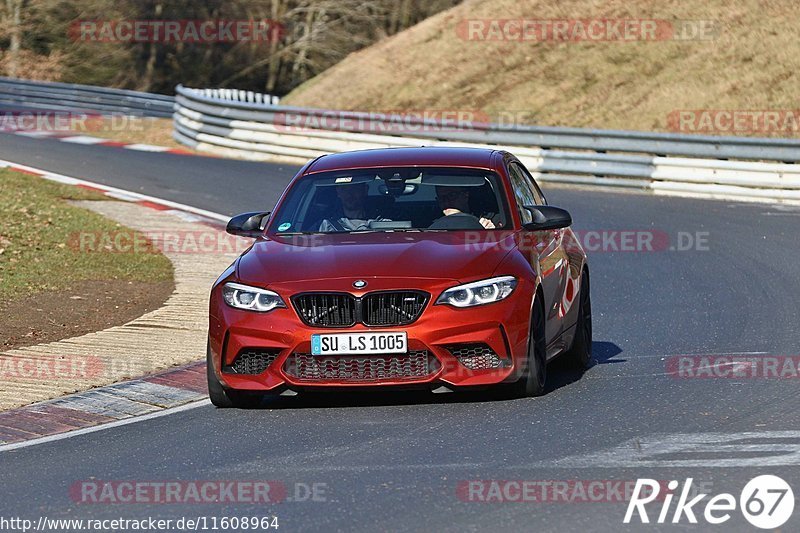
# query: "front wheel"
222,397
535,378
580,353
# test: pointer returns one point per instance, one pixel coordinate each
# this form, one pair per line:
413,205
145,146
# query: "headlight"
479,292
251,298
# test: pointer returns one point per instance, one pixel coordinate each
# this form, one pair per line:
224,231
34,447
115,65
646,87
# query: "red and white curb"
186,212
99,141
98,409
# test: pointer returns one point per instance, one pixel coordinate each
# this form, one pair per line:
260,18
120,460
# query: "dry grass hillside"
750,64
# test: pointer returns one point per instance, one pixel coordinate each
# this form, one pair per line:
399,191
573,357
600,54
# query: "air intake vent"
476,356
361,368
252,361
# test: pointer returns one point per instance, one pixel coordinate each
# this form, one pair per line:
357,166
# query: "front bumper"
502,327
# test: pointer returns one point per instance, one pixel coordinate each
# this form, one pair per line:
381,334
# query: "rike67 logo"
767,502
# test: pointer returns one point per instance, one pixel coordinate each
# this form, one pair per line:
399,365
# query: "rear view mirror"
248,224
401,189
546,217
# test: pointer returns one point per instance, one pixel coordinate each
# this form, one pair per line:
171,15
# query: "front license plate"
355,343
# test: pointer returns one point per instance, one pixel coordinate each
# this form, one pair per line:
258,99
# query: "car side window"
522,192
540,199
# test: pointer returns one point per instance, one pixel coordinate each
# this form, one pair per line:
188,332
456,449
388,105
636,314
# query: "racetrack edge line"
62,178
109,425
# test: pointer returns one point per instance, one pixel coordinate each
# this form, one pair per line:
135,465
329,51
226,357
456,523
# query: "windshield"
393,199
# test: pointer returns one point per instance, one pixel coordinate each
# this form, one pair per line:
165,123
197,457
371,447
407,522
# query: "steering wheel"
463,221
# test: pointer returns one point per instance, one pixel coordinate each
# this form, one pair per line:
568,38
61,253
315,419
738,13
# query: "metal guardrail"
232,96
706,146
29,94
257,128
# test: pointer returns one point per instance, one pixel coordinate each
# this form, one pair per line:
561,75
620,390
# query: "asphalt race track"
395,462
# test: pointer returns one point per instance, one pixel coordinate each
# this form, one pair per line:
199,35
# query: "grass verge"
130,129
37,227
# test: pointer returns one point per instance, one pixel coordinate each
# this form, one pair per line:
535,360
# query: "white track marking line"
61,178
188,217
82,139
36,134
102,427
146,147
690,450
122,196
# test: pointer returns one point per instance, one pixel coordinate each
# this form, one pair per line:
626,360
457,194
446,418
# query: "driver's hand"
486,223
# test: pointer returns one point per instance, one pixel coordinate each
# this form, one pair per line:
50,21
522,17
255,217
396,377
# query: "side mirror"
546,217
248,224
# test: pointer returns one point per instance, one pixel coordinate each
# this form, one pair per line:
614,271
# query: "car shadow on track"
559,375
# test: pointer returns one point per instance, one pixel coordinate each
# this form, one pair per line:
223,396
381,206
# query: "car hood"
446,255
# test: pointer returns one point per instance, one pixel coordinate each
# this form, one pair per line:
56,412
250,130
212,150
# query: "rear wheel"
226,398
535,378
580,353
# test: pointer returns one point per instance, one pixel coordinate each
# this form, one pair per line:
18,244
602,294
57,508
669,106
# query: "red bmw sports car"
434,268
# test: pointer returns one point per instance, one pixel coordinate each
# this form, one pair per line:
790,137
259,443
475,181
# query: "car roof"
424,156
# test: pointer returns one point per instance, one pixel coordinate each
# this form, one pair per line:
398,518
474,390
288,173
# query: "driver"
352,213
454,201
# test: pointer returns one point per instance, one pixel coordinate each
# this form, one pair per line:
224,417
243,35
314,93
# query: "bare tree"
316,35
13,21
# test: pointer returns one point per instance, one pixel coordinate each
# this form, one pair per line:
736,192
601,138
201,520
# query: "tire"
222,397
535,379
580,353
